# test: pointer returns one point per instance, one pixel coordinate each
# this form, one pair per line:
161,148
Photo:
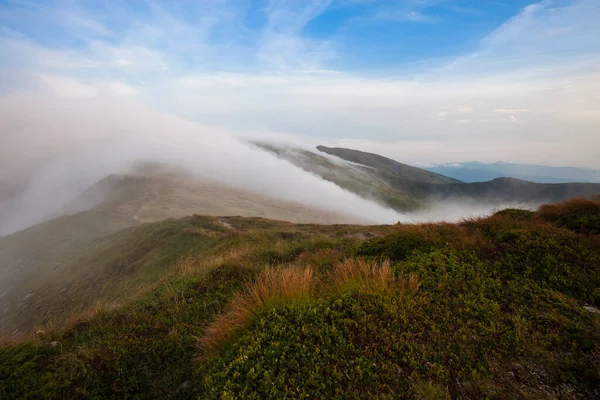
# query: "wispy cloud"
245,69
511,111
407,15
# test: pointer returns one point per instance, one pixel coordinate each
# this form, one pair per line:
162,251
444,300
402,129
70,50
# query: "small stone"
592,309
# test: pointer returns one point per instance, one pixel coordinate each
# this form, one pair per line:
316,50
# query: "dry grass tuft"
273,286
575,206
579,215
371,275
364,274
201,263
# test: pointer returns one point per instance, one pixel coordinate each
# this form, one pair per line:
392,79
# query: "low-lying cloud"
55,149
59,148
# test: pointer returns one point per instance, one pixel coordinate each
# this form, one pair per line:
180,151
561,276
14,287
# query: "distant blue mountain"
473,171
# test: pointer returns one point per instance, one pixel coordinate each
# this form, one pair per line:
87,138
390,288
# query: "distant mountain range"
473,171
408,188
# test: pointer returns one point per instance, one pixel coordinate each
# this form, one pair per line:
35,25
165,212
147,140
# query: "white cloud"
412,16
65,87
510,111
71,144
462,110
278,80
455,111
121,89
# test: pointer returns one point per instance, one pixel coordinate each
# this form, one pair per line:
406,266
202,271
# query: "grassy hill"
425,186
41,262
406,188
367,182
501,307
388,165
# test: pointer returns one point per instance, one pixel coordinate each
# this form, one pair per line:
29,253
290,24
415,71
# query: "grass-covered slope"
388,165
425,185
501,307
370,183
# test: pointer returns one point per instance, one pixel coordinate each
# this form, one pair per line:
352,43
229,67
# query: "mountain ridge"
499,189
386,164
472,171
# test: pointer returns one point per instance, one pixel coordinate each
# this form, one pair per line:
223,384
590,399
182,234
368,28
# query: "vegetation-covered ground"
502,307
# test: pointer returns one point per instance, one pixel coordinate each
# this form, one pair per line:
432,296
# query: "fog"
53,149
60,148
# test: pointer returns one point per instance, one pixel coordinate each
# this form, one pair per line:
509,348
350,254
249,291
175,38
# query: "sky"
421,81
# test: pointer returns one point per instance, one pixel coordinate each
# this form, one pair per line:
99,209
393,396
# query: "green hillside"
367,182
387,165
423,186
405,188
502,307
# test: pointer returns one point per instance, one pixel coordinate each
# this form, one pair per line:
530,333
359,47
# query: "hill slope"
42,259
406,189
497,307
414,182
385,164
367,182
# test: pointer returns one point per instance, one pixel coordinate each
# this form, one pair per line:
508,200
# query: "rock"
592,309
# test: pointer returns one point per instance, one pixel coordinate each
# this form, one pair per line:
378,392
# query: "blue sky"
351,35
419,80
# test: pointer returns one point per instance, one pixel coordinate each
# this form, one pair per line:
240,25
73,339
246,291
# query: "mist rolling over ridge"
69,146
76,145
264,199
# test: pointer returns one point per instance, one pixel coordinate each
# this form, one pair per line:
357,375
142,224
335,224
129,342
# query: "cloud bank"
243,68
70,146
91,87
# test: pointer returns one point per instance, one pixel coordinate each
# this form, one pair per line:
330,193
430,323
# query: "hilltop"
209,307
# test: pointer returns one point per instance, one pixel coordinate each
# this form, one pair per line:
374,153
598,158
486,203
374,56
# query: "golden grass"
201,263
278,285
363,273
556,210
273,286
459,236
371,275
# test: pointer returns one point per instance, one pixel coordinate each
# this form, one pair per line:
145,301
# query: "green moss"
323,349
397,246
516,213
467,333
143,351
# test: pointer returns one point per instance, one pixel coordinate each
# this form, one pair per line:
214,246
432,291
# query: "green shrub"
498,313
578,215
516,213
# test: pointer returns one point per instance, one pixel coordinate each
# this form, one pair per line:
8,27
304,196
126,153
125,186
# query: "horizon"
428,82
